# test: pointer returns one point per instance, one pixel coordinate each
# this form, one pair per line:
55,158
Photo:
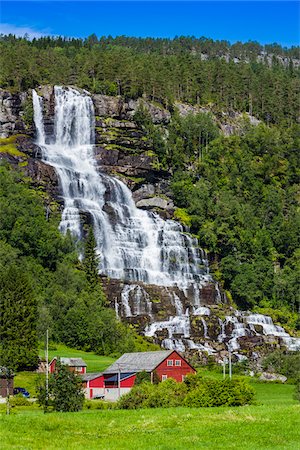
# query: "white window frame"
183,377
170,363
164,377
178,362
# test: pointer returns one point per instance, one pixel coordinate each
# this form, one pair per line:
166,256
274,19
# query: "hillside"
229,180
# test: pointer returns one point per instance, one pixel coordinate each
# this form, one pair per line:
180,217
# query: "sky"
262,21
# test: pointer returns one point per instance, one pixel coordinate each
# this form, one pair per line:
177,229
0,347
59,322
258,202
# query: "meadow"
273,422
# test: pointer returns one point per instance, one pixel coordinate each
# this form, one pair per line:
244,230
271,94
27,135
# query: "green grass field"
272,423
95,363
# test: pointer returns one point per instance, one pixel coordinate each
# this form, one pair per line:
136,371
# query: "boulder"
267,376
155,202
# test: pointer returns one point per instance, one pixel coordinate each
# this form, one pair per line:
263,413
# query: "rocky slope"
122,150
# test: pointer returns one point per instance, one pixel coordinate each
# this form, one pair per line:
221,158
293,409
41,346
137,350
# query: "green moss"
23,164
11,149
182,215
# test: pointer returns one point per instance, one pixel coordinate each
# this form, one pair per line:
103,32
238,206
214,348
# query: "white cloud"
7,28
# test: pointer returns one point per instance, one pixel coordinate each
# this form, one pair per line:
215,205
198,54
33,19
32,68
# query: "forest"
162,70
238,194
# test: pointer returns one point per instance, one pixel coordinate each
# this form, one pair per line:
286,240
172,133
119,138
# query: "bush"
19,400
297,390
283,363
195,391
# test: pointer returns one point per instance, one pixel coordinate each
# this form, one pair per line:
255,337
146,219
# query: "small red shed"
75,364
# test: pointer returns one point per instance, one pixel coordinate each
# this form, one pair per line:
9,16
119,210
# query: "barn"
93,384
119,378
75,364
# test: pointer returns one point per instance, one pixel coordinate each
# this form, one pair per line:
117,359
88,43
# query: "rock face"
10,113
200,324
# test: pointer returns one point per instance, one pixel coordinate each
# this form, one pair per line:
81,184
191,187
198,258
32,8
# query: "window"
183,377
164,377
170,362
178,362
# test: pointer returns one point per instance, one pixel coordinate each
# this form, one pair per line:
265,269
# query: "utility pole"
119,382
47,368
229,360
224,369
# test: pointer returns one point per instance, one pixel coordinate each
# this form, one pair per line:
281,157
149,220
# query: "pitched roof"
72,362
91,376
138,362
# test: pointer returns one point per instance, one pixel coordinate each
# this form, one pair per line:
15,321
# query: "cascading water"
134,245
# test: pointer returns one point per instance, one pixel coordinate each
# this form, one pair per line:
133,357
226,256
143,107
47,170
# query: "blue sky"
263,21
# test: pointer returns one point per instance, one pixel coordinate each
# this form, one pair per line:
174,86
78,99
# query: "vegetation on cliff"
163,70
43,286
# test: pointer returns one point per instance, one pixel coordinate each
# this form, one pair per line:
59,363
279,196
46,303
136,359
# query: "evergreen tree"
18,320
91,259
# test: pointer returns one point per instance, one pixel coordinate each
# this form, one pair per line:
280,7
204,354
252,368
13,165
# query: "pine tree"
18,320
91,259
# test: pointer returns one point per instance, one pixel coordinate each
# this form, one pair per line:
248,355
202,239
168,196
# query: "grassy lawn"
272,423
95,363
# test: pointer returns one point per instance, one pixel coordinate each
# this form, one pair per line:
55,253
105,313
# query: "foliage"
297,389
43,286
164,70
242,201
65,390
195,391
91,259
18,306
19,400
287,364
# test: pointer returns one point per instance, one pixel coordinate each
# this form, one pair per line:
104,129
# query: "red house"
75,364
119,378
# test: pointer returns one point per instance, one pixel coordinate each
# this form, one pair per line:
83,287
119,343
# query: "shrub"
195,391
19,400
297,390
284,363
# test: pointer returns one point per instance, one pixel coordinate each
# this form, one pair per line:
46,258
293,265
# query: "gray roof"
91,376
138,362
73,362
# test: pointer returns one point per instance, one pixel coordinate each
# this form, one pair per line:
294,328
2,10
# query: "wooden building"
75,364
119,378
6,381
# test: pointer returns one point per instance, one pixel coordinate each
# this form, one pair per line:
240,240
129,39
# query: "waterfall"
133,244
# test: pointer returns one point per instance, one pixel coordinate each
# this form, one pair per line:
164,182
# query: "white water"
133,244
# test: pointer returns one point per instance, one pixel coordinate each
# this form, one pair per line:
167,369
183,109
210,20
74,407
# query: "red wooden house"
93,384
75,364
119,378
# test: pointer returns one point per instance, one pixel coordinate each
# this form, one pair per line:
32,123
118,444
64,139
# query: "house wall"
112,394
176,372
97,382
3,387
